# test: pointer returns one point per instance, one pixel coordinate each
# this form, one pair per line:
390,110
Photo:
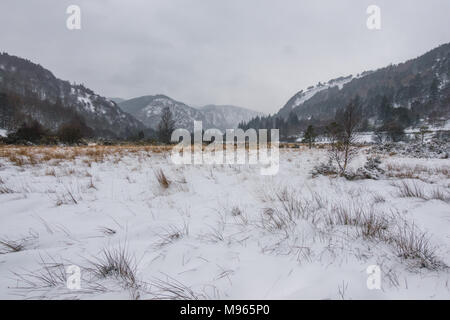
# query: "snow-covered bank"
219,231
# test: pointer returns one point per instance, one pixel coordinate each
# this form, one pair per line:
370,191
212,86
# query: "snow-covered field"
218,232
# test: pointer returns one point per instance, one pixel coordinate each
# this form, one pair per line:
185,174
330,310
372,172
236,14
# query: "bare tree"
395,131
342,135
310,136
423,131
166,125
379,135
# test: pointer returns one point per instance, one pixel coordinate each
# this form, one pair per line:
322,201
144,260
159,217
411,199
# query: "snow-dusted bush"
432,149
370,170
324,169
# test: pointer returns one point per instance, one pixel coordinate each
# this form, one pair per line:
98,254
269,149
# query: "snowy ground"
218,232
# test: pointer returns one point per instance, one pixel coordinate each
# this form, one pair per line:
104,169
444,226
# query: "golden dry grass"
406,171
53,155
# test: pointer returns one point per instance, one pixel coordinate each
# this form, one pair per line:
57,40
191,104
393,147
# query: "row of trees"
27,129
291,126
390,119
342,135
340,132
32,131
347,121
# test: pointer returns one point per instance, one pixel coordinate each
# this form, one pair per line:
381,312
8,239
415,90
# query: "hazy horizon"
253,54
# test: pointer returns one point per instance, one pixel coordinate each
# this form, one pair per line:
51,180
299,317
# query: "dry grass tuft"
378,198
5,190
408,171
11,246
274,220
439,194
372,226
52,274
171,234
410,190
295,207
67,196
172,289
107,231
162,179
117,263
412,244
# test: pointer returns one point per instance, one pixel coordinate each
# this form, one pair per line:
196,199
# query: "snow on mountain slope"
304,95
148,109
52,101
415,89
311,91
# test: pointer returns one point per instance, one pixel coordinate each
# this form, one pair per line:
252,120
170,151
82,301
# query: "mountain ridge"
400,83
28,91
411,93
148,108
31,92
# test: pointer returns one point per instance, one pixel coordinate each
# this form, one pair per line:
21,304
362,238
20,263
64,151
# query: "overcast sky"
250,53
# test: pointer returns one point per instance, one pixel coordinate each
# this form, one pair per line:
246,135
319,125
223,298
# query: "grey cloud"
253,53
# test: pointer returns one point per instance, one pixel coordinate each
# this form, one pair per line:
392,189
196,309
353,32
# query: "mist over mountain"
148,109
227,116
